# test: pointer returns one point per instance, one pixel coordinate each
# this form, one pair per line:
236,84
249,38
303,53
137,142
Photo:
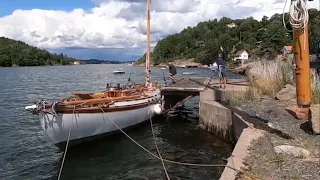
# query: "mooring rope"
155,142
164,78
166,160
66,148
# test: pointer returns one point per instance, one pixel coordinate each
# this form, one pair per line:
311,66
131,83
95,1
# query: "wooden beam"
302,59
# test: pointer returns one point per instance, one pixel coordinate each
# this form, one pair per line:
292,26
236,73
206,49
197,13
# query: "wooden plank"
194,85
183,87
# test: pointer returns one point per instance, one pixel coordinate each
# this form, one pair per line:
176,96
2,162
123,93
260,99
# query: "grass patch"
315,85
269,77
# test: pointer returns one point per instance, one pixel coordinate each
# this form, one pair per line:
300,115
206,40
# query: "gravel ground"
263,162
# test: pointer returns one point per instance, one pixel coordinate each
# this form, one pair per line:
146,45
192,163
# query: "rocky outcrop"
298,113
183,63
242,70
293,151
287,93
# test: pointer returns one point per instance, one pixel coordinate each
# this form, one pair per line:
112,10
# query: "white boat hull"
119,72
86,125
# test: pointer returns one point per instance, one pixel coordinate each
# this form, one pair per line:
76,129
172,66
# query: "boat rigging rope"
66,148
164,78
166,160
178,104
155,142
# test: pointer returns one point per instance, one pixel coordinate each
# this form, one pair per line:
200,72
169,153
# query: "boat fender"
157,109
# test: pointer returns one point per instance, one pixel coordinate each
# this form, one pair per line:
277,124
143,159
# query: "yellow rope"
166,160
155,142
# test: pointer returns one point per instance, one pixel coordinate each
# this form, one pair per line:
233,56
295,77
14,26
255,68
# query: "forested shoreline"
263,38
18,53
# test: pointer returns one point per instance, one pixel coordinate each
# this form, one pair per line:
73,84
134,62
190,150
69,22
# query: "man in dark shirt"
222,71
172,72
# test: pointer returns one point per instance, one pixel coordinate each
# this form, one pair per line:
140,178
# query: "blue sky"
108,29
8,6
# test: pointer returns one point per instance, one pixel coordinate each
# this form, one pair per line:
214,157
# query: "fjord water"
27,153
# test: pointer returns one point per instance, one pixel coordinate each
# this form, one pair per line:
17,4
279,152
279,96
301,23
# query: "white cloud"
115,23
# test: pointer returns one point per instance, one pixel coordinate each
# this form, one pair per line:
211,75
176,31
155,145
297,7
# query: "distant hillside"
97,61
18,53
261,38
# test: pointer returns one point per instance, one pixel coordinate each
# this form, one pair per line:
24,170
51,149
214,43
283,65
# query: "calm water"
27,153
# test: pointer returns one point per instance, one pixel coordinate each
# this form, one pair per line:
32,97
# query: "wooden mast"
148,44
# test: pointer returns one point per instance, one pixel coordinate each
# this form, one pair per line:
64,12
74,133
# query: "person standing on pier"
172,72
222,70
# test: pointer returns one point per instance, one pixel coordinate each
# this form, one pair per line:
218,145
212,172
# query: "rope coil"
298,14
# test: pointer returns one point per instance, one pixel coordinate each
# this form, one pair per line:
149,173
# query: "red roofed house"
287,50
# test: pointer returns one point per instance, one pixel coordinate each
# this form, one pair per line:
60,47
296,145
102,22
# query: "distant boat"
214,67
163,68
119,71
188,73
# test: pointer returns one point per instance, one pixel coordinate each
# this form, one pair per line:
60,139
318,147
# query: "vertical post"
301,55
148,44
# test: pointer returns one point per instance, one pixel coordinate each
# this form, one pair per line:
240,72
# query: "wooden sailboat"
89,114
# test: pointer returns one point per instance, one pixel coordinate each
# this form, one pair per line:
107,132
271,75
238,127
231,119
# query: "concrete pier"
229,126
218,119
213,116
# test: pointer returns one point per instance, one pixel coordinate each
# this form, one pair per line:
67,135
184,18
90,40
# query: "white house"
232,25
242,56
76,62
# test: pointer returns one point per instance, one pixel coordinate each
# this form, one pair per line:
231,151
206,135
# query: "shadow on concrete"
258,122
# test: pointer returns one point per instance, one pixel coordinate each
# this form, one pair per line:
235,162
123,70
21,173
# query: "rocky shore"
290,149
183,63
277,157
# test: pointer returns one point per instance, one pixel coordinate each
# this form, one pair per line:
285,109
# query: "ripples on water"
27,153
